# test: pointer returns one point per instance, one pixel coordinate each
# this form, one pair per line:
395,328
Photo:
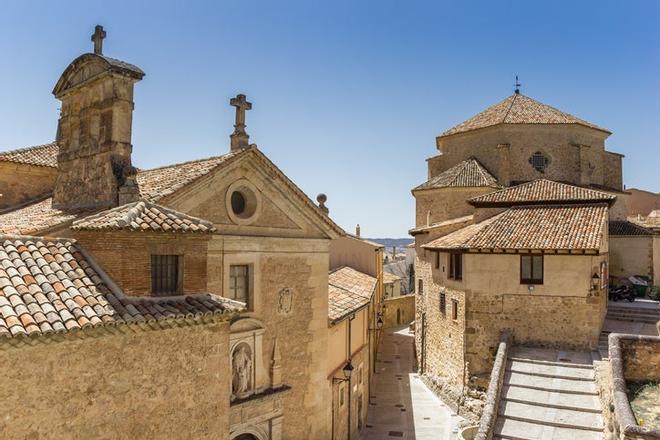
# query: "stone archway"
245,437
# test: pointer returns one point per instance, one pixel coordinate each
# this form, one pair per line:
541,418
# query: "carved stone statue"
241,370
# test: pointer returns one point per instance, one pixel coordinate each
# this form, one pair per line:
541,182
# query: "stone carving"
285,301
241,370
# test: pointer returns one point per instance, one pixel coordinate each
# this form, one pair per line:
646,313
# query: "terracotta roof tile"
469,173
651,221
561,227
390,277
542,191
623,227
54,308
348,291
518,109
143,216
40,155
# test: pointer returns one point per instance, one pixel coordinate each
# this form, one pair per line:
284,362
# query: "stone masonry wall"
132,384
641,359
401,308
359,395
126,257
20,183
445,204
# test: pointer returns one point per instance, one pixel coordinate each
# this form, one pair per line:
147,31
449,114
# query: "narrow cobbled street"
401,406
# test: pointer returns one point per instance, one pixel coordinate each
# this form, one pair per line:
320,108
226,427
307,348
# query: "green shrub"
654,293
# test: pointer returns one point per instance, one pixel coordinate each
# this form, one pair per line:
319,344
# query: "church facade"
512,236
189,300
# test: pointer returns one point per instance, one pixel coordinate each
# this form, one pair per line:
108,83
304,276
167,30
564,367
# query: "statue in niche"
241,370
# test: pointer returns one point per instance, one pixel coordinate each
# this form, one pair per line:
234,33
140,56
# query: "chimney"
322,198
94,131
357,230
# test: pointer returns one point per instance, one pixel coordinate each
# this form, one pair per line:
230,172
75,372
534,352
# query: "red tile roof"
469,173
542,191
50,286
143,216
39,155
348,291
560,227
518,109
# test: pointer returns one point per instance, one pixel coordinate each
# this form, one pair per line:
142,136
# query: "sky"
348,96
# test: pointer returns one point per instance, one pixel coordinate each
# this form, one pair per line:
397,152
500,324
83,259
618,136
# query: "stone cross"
239,138
97,37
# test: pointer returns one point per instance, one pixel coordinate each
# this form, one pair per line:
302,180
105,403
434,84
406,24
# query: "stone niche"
248,376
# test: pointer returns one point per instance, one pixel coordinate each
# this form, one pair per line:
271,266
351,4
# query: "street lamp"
348,372
595,281
379,323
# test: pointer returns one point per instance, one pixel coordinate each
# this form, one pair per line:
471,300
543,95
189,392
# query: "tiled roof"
37,216
143,216
651,221
622,227
559,227
468,173
40,155
49,286
348,291
542,191
518,109
390,277
442,224
160,182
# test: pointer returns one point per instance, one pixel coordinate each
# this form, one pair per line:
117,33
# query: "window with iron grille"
443,303
239,282
166,276
420,287
539,161
531,269
454,309
456,266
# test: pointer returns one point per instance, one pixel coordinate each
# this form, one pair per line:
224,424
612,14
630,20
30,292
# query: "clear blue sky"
348,96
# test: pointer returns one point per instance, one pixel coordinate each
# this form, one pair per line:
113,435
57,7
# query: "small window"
456,266
443,303
166,275
341,395
539,161
238,203
239,282
420,286
437,260
531,269
454,309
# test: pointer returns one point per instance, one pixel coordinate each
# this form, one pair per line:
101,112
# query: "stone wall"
576,154
631,255
444,204
126,257
20,183
358,392
129,384
399,311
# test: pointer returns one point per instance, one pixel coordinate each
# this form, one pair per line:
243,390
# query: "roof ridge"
206,159
513,101
24,149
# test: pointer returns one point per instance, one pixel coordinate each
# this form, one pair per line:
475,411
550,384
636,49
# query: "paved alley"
401,406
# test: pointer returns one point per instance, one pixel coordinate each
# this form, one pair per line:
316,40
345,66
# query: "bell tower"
94,131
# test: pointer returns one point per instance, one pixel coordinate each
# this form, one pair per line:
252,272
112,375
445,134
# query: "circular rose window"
243,202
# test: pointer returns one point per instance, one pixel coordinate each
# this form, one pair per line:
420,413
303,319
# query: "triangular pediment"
273,205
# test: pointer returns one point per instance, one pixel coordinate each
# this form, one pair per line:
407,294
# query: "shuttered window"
166,276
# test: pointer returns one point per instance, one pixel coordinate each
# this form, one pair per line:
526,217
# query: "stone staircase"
546,399
646,315
603,344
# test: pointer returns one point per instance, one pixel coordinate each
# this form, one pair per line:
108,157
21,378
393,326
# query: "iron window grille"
166,275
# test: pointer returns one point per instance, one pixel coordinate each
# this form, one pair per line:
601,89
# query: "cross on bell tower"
97,37
239,138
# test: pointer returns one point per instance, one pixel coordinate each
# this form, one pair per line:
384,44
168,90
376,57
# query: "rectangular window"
443,303
437,260
239,282
420,287
454,309
166,274
341,395
456,266
531,269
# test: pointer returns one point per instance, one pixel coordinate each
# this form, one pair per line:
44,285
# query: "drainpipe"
350,389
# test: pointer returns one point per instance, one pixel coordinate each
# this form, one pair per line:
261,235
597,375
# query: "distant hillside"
389,242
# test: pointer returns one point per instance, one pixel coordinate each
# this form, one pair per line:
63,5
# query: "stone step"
634,315
506,428
552,399
563,418
556,385
568,371
555,363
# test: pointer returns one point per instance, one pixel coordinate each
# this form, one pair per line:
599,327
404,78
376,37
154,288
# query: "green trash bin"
640,284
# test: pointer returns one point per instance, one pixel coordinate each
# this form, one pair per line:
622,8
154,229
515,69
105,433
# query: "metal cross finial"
239,138
517,86
97,37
